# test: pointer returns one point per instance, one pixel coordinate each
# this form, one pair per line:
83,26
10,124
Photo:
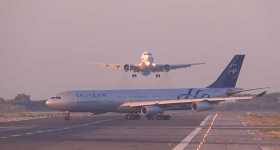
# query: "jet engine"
201,106
126,67
151,110
167,68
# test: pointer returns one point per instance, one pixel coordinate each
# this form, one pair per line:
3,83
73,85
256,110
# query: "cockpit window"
56,97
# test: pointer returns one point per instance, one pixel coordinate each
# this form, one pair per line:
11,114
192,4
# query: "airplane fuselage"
146,64
101,101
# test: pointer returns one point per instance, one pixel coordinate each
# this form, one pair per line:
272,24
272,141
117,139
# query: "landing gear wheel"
159,117
163,117
132,117
127,117
138,117
157,75
67,116
166,117
134,75
150,117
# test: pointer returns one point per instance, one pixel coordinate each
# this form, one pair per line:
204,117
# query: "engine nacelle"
201,106
151,110
126,67
167,68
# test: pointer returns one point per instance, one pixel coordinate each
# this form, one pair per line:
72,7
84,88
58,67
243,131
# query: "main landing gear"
137,116
67,116
134,75
157,75
133,116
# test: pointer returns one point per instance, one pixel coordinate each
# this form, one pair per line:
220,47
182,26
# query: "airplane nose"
50,103
59,103
54,102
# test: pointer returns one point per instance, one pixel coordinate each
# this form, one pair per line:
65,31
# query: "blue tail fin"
230,75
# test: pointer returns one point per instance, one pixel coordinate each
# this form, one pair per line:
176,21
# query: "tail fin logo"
233,70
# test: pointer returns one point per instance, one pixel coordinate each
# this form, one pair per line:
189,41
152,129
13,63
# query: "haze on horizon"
50,46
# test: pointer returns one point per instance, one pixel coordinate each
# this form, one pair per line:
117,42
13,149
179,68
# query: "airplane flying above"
154,102
147,66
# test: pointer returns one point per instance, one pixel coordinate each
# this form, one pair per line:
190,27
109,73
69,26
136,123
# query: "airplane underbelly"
146,72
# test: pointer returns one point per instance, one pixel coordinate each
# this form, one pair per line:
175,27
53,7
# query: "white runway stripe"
186,141
207,132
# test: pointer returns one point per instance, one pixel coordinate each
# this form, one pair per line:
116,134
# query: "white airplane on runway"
154,102
147,66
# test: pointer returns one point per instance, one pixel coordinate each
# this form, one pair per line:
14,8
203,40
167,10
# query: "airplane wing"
183,101
179,66
167,67
111,66
126,67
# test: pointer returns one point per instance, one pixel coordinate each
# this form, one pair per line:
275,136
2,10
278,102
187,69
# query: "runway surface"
187,130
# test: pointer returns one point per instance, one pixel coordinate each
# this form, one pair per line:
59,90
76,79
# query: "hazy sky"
49,46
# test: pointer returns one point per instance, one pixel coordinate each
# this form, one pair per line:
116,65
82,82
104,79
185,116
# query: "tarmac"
186,130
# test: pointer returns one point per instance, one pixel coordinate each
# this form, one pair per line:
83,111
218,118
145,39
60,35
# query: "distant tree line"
22,102
2,100
19,99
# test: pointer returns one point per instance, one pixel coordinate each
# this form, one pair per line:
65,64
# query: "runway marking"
15,135
207,132
40,131
56,130
186,141
244,124
28,133
10,128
